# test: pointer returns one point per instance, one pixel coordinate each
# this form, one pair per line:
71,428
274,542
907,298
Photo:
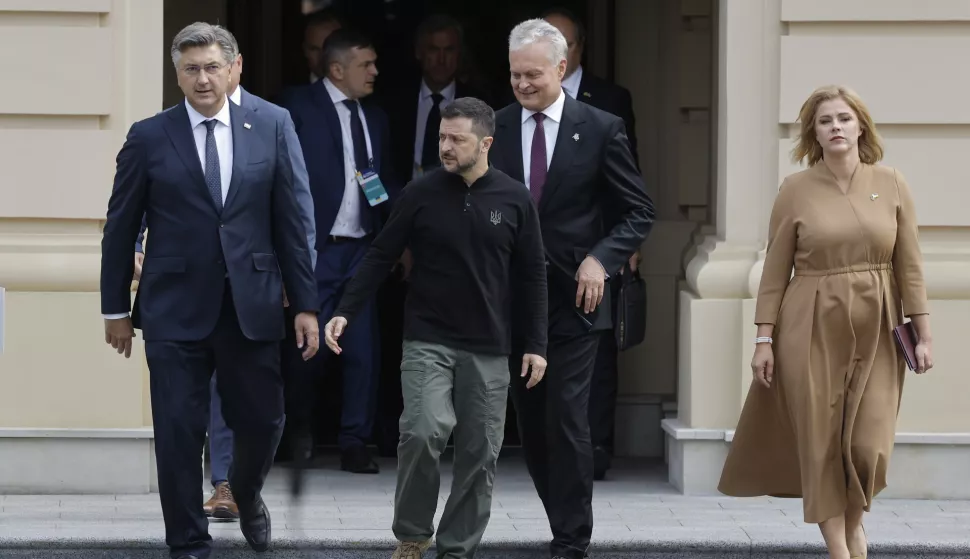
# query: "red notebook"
905,335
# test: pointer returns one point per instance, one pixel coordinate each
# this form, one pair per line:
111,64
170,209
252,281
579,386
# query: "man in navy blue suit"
215,184
221,504
345,144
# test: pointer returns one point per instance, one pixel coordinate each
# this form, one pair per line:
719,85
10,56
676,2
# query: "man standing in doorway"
221,504
475,237
345,143
576,162
592,90
214,183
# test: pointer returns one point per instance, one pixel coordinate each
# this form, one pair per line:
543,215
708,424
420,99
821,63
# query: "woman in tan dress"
819,422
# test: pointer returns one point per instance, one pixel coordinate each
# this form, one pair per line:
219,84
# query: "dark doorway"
271,32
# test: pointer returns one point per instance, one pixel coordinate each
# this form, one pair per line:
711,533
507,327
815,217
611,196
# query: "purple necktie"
537,161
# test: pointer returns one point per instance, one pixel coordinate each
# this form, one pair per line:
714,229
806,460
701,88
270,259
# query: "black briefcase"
630,324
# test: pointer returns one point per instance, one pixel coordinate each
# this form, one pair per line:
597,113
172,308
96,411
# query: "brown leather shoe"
221,504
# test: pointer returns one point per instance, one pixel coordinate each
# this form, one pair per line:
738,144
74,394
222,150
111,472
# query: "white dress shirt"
551,126
571,84
424,108
223,137
347,223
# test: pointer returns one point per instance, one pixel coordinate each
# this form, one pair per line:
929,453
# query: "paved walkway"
635,511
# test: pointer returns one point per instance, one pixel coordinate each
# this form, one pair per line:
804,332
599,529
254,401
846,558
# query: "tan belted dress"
824,431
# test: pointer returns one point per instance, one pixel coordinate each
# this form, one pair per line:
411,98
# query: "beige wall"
906,61
78,73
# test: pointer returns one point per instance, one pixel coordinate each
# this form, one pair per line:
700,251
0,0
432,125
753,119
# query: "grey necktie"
213,177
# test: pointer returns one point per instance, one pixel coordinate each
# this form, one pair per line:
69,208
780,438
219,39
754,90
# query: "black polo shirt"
471,246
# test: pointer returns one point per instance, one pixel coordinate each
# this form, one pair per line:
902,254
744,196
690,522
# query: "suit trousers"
220,438
554,427
251,389
449,391
602,394
359,362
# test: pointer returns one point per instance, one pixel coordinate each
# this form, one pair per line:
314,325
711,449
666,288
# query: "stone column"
72,412
711,328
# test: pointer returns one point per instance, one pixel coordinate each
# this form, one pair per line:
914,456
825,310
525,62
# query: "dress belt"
845,269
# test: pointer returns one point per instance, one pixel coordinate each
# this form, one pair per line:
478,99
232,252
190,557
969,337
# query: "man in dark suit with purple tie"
576,161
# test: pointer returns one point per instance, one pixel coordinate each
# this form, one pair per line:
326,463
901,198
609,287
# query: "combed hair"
535,31
202,34
481,115
571,16
807,146
436,23
340,43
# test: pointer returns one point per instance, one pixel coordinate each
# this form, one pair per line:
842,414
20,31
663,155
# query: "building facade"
717,86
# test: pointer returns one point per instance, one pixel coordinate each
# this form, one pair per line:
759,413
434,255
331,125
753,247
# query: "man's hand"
538,366
332,332
139,260
307,330
591,277
118,333
635,261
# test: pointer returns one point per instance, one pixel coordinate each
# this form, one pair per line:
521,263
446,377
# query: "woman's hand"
763,364
924,356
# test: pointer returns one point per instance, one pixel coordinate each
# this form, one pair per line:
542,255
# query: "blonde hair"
807,146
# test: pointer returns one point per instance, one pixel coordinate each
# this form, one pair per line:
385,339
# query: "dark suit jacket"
612,98
257,235
401,105
301,185
318,128
592,169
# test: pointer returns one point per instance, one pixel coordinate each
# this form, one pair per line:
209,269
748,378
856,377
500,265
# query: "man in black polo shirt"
474,236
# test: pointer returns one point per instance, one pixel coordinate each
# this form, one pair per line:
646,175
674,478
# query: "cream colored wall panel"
98,6
906,79
56,174
936,402
68,70
56,370
875,10
935,169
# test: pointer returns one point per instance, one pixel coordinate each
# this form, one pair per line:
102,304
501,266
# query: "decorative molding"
676,429
721,270
46,433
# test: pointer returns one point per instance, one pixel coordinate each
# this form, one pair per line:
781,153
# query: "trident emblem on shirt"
496,217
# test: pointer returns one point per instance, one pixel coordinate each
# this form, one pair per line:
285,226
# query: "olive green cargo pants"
449,390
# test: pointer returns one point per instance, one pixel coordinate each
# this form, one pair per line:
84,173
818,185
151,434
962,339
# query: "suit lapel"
239,118
568,143
179,131
511,144
322,98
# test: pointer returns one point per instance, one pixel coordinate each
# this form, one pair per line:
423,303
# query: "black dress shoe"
357,459
255,524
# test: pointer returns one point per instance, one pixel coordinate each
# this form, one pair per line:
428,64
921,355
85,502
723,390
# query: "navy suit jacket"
301,183
318,128
258,240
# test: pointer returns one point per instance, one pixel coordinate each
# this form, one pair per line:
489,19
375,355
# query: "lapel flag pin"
576,137
246,125
873,196
586,94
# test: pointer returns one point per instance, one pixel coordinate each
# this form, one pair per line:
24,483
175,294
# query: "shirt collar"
553,111
196,118
236,96
571,84
336,95
448,92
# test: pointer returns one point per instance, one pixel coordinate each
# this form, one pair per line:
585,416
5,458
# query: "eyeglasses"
210,69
